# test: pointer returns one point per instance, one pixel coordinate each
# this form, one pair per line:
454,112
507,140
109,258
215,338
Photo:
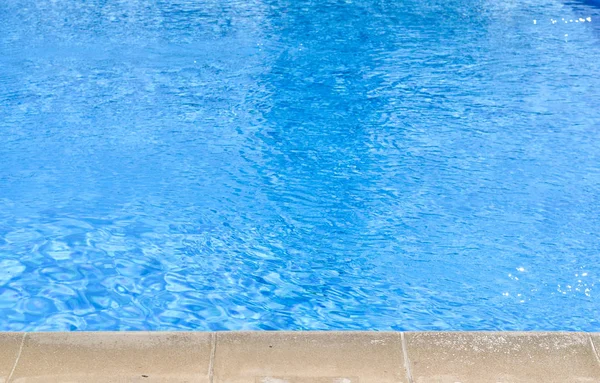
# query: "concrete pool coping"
300,357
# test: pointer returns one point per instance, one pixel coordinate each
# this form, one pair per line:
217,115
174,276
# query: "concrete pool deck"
300,357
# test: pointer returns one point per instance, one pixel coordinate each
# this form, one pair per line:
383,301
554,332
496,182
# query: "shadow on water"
347,101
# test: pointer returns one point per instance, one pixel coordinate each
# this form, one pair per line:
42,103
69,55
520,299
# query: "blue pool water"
294,164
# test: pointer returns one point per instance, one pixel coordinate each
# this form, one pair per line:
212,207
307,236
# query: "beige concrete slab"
501,358
114,357
309,357
9,349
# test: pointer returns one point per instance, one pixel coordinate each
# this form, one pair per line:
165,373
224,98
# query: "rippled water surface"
294,164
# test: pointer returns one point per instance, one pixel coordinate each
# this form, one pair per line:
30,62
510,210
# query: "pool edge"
300,357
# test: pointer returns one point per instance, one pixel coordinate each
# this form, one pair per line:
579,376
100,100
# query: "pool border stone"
300,357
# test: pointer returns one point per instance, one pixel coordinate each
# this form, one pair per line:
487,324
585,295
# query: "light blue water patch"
273,164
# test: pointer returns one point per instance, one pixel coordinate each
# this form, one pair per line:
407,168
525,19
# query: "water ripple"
262,164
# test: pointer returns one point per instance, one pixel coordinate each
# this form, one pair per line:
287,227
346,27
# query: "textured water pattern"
273,164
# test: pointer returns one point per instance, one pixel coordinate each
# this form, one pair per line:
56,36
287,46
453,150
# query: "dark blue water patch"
407,165
591,2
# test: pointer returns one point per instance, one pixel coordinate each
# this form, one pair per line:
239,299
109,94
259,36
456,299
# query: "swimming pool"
272,164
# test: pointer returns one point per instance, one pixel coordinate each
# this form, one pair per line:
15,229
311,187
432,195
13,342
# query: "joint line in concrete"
211,363
18,357
406,360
